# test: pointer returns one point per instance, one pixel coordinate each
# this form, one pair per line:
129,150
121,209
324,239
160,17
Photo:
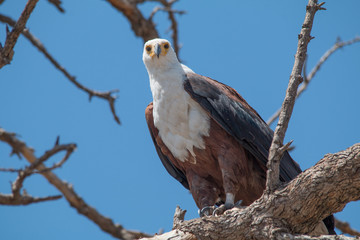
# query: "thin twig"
69,148
9,199
313,72
108,95
171,15
272,179
7,52
105,223
12,170
16,198
345,228
57,4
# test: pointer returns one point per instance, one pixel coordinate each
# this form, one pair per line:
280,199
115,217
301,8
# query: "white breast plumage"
181,121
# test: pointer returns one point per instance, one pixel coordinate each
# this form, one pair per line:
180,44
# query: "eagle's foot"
206,211
223,207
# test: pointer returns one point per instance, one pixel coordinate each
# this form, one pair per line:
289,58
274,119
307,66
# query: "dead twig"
7,52
9,199
310,76
167,7
179,217
16,198
108,95
275,154
57,4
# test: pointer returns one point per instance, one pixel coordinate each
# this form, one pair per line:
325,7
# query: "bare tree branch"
295,209
105,223
69,148
275,153
108,95
145,28
344,227
171,15
141,26
57,4
7,52
16,198
310,76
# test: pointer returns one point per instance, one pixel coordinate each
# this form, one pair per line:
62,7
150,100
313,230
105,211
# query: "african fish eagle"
206,135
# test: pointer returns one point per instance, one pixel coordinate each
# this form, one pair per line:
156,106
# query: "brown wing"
236,117
159,145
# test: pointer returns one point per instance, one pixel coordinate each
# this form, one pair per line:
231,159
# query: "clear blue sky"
249,45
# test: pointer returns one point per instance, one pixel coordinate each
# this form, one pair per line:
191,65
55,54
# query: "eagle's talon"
219,210
206,211
238,204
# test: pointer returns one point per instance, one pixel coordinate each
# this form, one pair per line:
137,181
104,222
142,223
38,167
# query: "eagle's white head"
158,54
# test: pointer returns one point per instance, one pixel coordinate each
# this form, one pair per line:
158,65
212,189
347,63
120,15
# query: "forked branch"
105,223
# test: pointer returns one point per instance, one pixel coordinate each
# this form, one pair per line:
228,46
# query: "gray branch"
275,152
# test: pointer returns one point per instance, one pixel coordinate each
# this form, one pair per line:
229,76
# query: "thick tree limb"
106,224
7,52
296,209
108,95
310,76
275,153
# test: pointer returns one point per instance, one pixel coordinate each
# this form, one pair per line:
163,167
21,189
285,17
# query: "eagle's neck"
181,121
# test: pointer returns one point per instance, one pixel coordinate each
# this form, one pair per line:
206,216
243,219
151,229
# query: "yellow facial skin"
157,50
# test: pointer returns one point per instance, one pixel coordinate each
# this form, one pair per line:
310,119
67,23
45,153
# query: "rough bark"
290,211
7,52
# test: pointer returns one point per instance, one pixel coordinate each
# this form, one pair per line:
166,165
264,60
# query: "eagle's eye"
166,46
148,48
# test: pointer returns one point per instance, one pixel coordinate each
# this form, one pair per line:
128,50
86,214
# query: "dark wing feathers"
169,166
232,112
